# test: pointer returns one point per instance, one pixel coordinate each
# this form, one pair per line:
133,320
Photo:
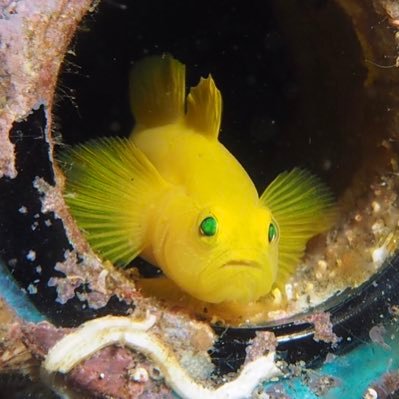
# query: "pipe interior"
294,78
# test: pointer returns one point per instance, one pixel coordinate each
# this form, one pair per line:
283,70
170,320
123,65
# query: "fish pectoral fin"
109,187
303,206
157,91
204,108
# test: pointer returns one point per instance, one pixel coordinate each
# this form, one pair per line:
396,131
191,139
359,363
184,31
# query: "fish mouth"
241,263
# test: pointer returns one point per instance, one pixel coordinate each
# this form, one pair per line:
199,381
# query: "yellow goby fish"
173,194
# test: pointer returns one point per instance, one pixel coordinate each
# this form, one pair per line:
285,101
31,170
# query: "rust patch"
323,328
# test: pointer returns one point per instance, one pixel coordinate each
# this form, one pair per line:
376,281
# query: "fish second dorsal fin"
157,91
204,108
157,97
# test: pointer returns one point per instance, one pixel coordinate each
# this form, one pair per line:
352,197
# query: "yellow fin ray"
109,184
157,91
204,108
303,207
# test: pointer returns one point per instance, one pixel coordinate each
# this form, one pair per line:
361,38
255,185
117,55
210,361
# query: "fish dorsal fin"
157,91
204,108
109,184
303,206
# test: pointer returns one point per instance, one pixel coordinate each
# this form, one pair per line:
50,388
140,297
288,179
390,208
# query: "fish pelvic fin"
158,97
302,206
157,91
204,108
110,185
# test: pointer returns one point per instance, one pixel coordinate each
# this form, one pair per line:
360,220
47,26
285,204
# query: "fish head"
221,253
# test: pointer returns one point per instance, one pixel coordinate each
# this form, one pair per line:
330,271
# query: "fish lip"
241,262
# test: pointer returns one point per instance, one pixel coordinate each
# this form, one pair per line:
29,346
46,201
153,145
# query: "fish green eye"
209,226
273,233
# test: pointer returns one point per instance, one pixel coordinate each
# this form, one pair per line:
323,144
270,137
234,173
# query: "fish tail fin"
204,108
302,207
157,91
109,186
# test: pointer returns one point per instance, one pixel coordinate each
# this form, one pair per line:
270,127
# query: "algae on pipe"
173,194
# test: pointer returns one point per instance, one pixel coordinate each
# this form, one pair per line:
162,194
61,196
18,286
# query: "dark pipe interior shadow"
282,107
